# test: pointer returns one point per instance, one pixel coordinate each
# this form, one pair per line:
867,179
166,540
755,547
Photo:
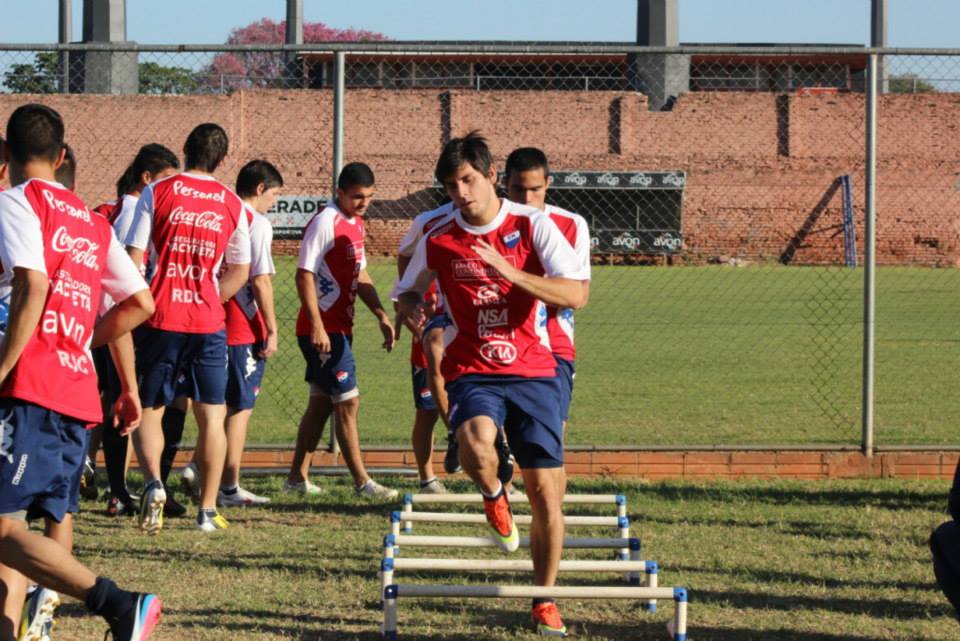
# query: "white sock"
496,493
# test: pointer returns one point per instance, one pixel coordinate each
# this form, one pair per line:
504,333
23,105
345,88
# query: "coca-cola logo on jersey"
83,251
199,220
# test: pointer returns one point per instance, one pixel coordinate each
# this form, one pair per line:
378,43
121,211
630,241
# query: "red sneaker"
501,522
547,618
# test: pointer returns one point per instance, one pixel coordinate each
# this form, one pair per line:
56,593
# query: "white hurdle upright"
619,500
393,592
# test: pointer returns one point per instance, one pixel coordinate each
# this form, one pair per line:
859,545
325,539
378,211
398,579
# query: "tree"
271,69
43,76
158,79
909,83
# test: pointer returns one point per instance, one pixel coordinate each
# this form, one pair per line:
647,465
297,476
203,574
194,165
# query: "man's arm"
562,292
307,292
234,277
28,295
138,235
123,318
368,294
127,411
263,294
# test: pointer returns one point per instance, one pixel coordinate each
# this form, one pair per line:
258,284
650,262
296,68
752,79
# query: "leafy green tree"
43,76
159,79
909,83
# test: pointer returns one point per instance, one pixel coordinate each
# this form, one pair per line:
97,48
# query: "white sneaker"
151,509
306,488
373,490
37,618
240,498
433,487
190,480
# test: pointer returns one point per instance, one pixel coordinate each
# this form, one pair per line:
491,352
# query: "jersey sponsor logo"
493,317
76,292
486,332
489,295
189,192
201,220
193,246
6,438
354,251
83,251
66,208
187,296
63,325
500,352
192,272
511,239
342,376
476,269
79,364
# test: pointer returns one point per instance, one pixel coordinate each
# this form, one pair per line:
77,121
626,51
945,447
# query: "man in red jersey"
331,274
494,262
191,225
58,259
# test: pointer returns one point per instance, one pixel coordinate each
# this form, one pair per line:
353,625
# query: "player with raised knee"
494,261
193,228
331,274
251,325
59,259
527,180
427,389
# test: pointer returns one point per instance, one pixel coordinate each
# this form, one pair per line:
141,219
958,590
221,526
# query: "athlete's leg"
148,442
544,487
173,422
422,439
211,450
346,412
477,453
309,432
237,423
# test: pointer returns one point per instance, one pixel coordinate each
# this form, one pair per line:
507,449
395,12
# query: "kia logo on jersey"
202,220
83,251
499,352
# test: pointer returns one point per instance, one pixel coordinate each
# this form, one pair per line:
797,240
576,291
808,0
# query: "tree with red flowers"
270,69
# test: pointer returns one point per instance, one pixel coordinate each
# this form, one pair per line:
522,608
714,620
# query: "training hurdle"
393,592
635,568
622,522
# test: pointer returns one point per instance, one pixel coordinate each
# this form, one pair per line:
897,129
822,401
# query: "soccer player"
153,162
331,274
192,225
527,180
424,397
57,258
251,325
3,164
494,262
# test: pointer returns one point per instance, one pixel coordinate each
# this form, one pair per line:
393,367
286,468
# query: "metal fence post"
338,96
869,257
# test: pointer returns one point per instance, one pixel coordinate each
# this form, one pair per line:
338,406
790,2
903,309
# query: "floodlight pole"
338,96
870,256
66,34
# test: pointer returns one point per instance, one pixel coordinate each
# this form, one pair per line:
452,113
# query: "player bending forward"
494,261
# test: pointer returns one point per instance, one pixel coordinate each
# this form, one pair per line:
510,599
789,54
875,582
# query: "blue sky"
913,23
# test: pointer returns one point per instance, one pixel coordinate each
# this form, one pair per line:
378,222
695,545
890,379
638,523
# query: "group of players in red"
487,286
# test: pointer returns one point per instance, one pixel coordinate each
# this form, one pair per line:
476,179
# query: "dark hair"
34,131
153,158
66,173
206,147
355,174
254,173
527,159
471,149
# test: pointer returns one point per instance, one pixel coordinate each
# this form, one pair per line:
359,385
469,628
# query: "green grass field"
699,356
771,561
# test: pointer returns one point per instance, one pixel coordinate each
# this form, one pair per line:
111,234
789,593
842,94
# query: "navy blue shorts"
244,375
163,356
108,381
527,408
333,374
566,372
41,460
438,321
422,396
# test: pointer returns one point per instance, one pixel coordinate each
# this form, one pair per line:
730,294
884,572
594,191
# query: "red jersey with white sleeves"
419,227
245,323
189,224
494,321
46,228
107,210
333,250
560,320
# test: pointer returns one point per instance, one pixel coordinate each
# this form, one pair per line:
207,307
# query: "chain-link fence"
724,190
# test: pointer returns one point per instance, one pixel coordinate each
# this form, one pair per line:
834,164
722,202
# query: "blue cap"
635,544
386,565
652,567
407,498
623,522
395,517
680,594
621,499
389,541
390,592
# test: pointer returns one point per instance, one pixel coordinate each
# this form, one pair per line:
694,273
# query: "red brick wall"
758,165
